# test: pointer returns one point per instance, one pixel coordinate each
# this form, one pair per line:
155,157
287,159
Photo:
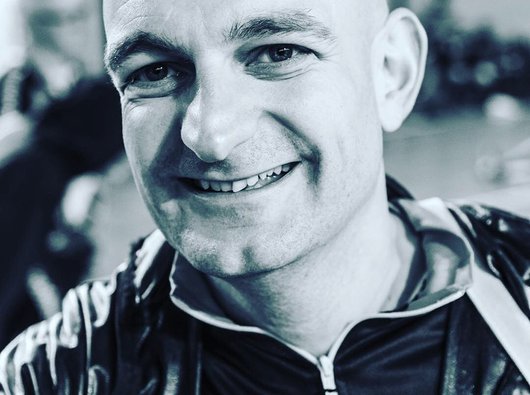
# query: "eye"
153,73
158,79
279,53
279,61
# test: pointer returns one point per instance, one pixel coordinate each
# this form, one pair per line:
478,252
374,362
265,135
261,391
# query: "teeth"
216,186
204,184
252,181
239,185
226,186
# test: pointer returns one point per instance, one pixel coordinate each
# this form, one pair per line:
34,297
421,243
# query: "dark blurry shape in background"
60,127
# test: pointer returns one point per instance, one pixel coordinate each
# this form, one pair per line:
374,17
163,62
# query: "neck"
310,302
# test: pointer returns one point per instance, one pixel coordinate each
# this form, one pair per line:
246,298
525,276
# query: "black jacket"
125,336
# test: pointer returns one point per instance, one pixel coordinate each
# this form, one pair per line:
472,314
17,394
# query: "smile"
247,184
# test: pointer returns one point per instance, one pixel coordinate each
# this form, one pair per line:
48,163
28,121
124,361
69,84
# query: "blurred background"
469,134
68,206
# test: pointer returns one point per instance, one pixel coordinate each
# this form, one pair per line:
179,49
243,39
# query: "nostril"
210,157
210,152
210,147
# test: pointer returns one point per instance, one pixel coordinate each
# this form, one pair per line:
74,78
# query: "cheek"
146,130
335,119
333,113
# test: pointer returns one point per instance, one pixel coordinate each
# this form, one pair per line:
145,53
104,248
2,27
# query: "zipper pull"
325,365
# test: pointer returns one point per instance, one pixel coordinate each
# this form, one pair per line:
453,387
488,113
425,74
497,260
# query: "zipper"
325,365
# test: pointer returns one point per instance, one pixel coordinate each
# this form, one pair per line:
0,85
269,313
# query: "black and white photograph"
265,197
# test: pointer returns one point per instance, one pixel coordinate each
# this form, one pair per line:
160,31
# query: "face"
251,126
66,37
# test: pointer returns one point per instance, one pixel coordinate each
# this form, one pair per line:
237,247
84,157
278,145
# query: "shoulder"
497,239
500,240
76,350
497,242
500,290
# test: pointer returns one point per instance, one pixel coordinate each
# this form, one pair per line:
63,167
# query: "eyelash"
178,75
268,49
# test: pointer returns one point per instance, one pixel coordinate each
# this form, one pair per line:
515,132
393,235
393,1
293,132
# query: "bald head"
373,12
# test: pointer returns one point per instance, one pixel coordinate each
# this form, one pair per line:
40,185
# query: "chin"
226,266
214,258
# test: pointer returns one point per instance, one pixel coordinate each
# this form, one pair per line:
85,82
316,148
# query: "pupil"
157,73
280,54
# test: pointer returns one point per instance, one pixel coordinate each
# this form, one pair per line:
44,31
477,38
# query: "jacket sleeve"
101,340
56,356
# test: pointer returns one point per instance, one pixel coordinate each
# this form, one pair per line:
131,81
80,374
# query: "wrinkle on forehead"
113,8
119,14
216,19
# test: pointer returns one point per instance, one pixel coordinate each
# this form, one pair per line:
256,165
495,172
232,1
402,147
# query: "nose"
219,118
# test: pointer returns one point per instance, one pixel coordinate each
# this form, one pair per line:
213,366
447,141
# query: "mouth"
242,185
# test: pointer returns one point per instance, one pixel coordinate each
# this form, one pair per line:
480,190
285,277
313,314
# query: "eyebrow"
138,42
277,24
254,28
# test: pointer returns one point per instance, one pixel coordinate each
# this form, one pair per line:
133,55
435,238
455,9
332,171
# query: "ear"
399,54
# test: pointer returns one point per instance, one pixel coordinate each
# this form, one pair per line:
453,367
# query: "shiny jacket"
125,336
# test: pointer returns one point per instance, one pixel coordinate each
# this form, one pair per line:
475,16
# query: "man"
254,134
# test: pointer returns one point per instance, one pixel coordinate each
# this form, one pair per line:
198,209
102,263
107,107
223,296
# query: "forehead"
207,19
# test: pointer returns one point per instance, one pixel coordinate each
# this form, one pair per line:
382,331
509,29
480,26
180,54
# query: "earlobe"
399,54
